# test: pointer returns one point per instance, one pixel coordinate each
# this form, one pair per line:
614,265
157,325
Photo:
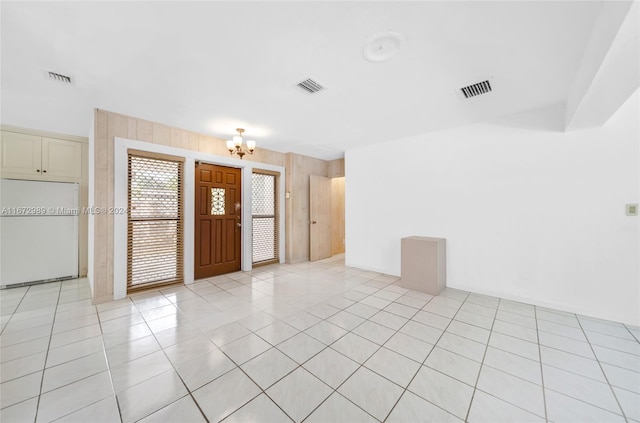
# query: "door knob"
313,222
239,224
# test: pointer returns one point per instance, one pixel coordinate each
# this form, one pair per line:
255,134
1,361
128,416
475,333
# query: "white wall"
529,212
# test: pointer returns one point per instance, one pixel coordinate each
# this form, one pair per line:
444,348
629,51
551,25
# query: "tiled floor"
315,342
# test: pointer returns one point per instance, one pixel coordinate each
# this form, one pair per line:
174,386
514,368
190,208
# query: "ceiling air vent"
310,86
60,77
476,89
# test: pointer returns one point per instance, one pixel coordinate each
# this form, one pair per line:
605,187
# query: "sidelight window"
264,212
155,221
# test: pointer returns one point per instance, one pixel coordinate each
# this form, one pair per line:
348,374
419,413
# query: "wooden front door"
320,217
218,220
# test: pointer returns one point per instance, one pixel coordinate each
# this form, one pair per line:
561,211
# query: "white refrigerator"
38,232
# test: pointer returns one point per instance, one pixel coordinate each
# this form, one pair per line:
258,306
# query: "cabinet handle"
44,171
37,170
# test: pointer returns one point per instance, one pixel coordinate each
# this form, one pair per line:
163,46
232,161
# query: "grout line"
13,313
334,390
55,313
360,365
486,348
613,392
406,388
610,347
106,357
238,366
263,391
631,332
295,278
48,349
588,403
272,346
298,365
172,367
544,392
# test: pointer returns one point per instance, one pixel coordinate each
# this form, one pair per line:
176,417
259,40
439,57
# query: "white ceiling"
210,67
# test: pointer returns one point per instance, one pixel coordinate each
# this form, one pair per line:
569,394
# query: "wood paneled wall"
336,168
109,125
299,168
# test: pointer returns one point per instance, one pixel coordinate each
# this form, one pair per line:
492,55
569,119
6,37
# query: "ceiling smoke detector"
476,89
58,77
310,86
382,47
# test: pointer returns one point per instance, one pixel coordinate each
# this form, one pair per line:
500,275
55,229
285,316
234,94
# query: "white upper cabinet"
21,154
61,158
34,157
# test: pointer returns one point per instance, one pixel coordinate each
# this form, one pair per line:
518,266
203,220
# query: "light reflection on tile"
269,367
443,391
244,349
371,392
310,392
73,397
203,369
331,367
158,392
103,411
261,408
183,410
71,371
412,408
230,391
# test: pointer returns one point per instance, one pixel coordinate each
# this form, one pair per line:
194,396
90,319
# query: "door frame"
121,148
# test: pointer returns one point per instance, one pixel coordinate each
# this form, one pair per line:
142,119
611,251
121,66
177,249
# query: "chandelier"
235,145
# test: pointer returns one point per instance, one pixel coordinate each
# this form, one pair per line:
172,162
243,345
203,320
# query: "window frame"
180,233
275,217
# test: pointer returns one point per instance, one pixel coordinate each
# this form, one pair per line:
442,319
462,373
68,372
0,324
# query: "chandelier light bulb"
234,145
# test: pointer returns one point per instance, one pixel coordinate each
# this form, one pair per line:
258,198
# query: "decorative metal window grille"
217,202
264,211
155,242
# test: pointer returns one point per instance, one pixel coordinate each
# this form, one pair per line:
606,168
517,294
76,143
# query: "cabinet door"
21,154
61,158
